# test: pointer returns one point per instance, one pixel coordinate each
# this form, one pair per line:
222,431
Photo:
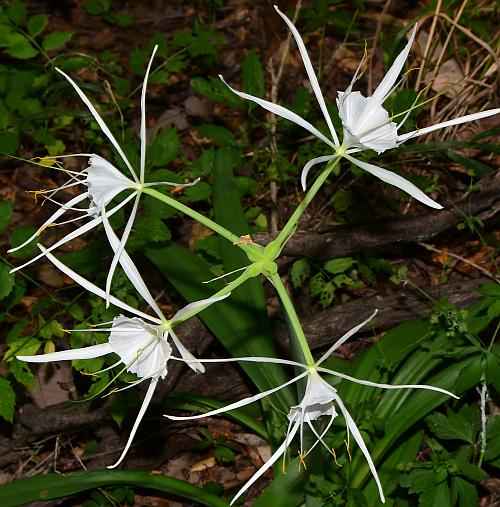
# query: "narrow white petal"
387,386
251,359
310,74
396,180
309,166
100,122
121,246
72,235
70,355
456,121
86,284
140,415
269,463
143,115
129,267
191,361
351,426
344,338
385,87
52,219
197,304
236,404
171,183
284,113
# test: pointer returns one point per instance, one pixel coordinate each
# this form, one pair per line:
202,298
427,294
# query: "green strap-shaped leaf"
249,300
50,486
418,405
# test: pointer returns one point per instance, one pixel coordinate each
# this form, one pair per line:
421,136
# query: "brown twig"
378,31
428,45
343,240
460,258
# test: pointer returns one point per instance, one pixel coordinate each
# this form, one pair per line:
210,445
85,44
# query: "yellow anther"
45,161
45,226
364,59
335,458
88,373
109,393
283,468
302,462
348,451
37,193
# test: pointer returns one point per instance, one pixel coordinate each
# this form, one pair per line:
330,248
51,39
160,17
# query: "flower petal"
70,355
310,74
351,425
100,122
138,419
72,235
344,338
121,246
86,284
284,113
269,463
387,386
129,267
385,87
178,317
191,361
251,359
456,121
237,404
51,219
310,164
171,183
396,180
143,115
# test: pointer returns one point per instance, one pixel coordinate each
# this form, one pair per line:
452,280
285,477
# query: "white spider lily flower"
141,342
366,124
365,121
102,182
320,400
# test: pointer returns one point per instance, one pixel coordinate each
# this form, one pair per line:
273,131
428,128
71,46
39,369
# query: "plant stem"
193,214
294,219
293,318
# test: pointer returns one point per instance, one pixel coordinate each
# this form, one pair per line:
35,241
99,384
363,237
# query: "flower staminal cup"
102,182
320,400
141,342
366,124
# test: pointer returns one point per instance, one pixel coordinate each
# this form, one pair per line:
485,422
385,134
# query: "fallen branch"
401,305
343,240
